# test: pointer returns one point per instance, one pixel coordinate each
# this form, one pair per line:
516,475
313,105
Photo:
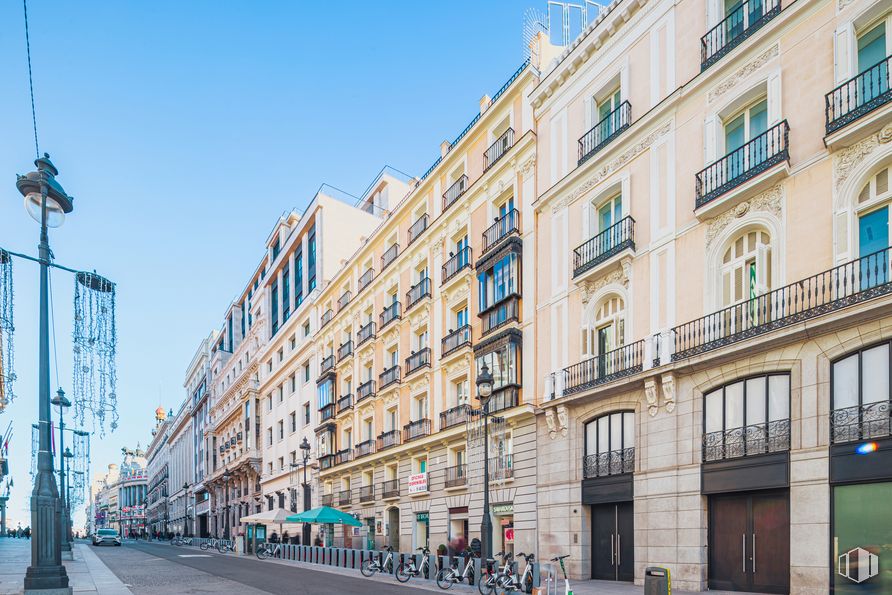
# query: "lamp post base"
48,575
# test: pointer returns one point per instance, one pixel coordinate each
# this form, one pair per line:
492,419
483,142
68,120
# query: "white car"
106,537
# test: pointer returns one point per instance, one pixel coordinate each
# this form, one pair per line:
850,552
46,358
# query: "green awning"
324,515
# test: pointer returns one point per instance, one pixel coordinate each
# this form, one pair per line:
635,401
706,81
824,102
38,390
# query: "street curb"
107,583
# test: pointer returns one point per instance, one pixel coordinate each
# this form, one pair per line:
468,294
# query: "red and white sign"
418,483
509,534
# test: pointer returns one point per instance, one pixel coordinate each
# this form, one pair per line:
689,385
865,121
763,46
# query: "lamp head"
33,185
484,384
60,400
68,454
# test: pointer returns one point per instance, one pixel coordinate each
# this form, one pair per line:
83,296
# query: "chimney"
444,148
485,102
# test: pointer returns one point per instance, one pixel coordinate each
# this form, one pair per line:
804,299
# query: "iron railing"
506,224
501,468
326,318
417,228
606,367
327,364
418,292
389,256
456,475
454,416
327,499
388,439
844,285
456,263
390,313
365,390
390,489
498,149
504,398
326,461
365,448
344,300
389,376
416,429
615,462
610,127
859,96
608,243
496,316
740,23
365,279
366,493
345,402
343,456
327,412
456,339
743,164
365,333
454,192
861,422
756,439
418,360
344,498
345,350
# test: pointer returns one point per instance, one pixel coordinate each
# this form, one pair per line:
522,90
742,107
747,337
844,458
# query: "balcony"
418,292
454,416
365,333
344,300
343,456
388,439
417,228
501,468
503,227
365,280
416,429
603,368
454,192
390,489
615,462
327,412
367,493
456,263
602,133
861,422
418,360
344,498
365,390
327,364
365,448
498,149
456,476
390,313
345,350
847,284
742,165
502,399
859,96
607,244
326,318
740,24
756,439
500,314
326,462
389,376
456,339
327,499
345,403
389,256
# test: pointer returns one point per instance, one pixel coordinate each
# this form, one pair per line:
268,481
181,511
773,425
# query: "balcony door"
873,236
613,546
740,15
745,274
740,129
606,107
872,53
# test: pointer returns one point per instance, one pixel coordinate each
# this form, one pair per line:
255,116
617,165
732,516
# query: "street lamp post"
62,402
305,529
226,478
484,392
186,509
47,203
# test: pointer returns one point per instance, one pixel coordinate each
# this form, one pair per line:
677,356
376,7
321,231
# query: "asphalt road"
161,568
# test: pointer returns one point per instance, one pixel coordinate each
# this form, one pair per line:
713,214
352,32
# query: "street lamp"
62,402
47,203
186,510
484,392
305,529
226,477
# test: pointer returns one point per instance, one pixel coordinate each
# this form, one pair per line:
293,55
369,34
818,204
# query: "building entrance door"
393,528
613,550
749,542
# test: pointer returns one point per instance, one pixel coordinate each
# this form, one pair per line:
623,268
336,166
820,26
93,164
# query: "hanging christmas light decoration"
7,370
35,446
95,345
79,467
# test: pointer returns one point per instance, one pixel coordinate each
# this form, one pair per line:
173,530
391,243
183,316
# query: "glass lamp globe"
55,216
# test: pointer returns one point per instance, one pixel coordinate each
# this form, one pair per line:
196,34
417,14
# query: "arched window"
746,267
747,417
604,327
860,395
873,222
610,445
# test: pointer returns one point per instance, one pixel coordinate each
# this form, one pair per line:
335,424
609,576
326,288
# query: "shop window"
860,395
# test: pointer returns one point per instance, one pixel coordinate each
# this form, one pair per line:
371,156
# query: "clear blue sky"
184,129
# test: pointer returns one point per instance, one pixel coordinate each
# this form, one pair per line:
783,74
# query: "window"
311,259
276,248
604,330
607,213
604,108
269,436
421,339
269,403
292,343
269,366
610,445
872,48
369,425
274,307
306,372
325,393
286,293
280,354
391,419
421,407
746,268
348,438
293,457
739,130
860,395
293,383
419,465
873,227
293,421
460,392
502,363
461,316
306,329
306,414
281,430
281,464
298,278
499,281
281,390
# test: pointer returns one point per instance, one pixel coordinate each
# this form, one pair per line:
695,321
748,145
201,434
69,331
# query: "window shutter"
586,221
843,42
841,236
774,100
588,106
763,283
710,134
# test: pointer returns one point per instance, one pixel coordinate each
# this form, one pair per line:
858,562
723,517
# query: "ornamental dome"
160,414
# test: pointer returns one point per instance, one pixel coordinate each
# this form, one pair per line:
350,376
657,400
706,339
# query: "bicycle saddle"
559,558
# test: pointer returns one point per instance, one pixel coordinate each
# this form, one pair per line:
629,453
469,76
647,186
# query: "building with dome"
119,496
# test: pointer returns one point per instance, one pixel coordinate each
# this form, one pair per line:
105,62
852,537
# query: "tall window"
503,364
610,445
605,330
873,228
499,281
391,419
274,306
860,395
298,277
461,317
604,108
873,49
746,268
311,259
421,407
286,293
460,392
325,393
742,128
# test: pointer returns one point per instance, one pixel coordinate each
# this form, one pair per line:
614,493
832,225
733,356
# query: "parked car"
106,537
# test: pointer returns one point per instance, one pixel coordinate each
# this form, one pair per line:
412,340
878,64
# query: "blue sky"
184,129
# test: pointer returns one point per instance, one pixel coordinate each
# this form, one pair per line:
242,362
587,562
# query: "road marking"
193,555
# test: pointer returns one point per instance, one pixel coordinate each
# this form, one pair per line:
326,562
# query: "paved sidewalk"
86,573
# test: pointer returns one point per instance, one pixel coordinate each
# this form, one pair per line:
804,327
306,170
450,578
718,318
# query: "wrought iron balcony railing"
326,318
343,456
500,314
345,402
844,285
367,493
611,241
504,398
344,299
501,468
498,149
345,350
743,21
388,439
365,448
456,339
416,429
606,367
454,416
456,263
390,489
390,313
327,364
615,462
757,439
859,96
456,475
344,498
365,390
861,422
418,360
454,192
327,499
504,226
389,376
743,164
418,292
389,256
365,333
602,133
417,228
365,279
327,412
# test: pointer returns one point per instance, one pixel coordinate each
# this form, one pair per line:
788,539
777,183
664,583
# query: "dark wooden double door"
749,542
613,548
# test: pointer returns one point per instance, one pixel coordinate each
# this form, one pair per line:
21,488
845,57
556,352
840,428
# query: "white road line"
193,556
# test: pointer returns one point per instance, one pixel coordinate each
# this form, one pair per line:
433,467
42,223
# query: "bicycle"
180,541
224,546
449,576
560,560
406,571
268,550
510,581
491,574
208,544
370,566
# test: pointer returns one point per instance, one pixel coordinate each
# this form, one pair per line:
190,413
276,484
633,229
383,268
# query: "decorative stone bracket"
652,394
557,423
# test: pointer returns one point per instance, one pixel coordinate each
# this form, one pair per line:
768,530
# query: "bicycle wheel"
485,584
367,568
402,573
445,578
262,554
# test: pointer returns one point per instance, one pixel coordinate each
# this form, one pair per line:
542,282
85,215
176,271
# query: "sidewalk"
86,573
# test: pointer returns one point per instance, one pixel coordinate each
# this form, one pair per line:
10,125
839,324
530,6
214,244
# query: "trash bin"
657,581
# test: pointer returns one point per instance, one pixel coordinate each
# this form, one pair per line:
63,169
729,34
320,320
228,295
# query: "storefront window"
861,395
862,538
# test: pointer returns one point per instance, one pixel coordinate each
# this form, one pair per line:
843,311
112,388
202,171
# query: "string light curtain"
95,348
80,465
7,328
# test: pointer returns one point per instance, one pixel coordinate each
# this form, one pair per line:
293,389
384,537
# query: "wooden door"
613,546
728,527
770,543
625,545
